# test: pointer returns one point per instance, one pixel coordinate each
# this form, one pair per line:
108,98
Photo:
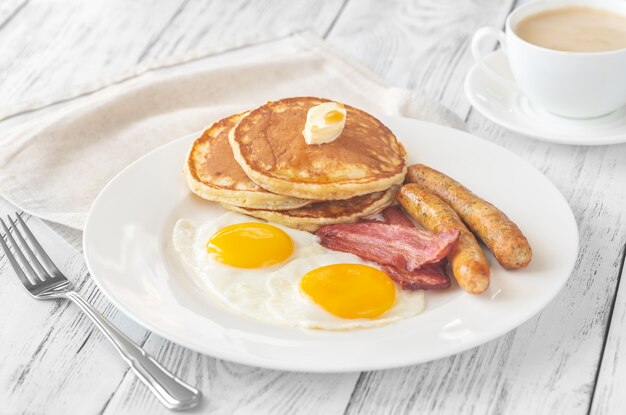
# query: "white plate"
513,110
128,251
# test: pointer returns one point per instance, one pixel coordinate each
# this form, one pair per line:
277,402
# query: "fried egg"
284,276
338,292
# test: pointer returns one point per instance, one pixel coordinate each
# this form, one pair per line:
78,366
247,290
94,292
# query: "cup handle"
479,36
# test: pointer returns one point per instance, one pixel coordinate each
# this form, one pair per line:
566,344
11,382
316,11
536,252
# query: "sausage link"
503,238
468,262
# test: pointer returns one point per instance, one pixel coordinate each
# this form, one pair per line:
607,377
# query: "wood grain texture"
237,389
199,25
230,388
568,338
75,350
78,42
551,364
609,397
68,48
50,349
417,44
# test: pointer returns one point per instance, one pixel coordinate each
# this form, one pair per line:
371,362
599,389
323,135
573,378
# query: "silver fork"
48,282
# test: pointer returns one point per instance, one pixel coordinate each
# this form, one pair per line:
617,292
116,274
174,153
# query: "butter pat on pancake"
213,174
269,146
311,217
324,123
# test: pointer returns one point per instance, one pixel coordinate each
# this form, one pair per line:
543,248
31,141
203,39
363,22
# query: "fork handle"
171,391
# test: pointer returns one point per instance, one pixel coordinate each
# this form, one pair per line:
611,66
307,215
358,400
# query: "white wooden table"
566,360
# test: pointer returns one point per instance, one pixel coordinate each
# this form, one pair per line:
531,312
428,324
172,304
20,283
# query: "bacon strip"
429,277
399,246
394,216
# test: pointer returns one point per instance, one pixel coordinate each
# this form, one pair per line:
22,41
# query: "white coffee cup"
570,84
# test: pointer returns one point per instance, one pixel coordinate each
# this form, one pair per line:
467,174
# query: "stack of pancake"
259,164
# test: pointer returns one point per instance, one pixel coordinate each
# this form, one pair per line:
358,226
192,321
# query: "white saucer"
511,109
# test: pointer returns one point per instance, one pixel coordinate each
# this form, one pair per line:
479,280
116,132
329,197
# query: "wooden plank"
207,25
548,365
609,397
420,44
231,388
78,42
74,43
50,349
74,349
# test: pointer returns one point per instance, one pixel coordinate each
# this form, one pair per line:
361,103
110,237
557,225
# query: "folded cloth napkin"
55,164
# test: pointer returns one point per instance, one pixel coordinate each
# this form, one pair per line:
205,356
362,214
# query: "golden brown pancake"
269,146
311,217
212,172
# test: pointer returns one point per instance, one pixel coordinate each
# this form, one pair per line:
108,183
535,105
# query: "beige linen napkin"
55,162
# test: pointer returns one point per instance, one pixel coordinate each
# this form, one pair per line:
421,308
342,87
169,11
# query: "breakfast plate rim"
390,362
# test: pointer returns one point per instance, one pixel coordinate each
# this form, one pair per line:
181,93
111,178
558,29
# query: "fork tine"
41,272
16,266
42,253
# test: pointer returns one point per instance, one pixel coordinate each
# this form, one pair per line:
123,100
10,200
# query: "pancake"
269,146
315,215
213,174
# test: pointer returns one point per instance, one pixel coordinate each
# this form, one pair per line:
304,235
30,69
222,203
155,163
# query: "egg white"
241,290
272,294
293,307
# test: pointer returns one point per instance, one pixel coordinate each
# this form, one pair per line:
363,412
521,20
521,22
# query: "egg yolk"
350,290
250,245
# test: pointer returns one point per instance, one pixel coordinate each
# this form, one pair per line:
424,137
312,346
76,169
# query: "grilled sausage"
468,262
503,238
